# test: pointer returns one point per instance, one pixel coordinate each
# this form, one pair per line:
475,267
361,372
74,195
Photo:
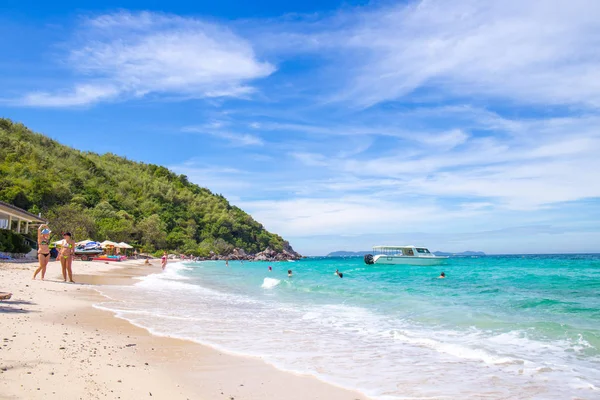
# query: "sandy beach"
55,344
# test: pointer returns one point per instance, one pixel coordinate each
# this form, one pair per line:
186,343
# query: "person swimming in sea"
289,273
43,250
442,276
67,252
270,268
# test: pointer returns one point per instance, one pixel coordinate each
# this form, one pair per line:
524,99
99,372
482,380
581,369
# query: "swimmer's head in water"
341,275
443,274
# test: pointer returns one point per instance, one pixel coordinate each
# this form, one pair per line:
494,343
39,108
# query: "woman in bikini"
43,249
66,256
163,260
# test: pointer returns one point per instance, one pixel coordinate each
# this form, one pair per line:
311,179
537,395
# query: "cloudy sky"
458,125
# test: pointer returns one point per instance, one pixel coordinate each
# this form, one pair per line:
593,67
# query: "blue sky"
340,125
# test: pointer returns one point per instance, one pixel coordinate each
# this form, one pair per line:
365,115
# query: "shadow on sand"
10,306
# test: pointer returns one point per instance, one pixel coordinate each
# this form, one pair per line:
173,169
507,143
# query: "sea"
497,327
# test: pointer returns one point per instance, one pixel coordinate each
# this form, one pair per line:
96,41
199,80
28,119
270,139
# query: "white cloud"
137,54
438,139
215,129
310,159
539,51
310,216
228,181
536,164
78,96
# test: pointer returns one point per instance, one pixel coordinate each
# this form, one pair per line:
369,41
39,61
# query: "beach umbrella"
108,244
125,246
60,243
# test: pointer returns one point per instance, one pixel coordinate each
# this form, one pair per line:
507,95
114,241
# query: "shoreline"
57,344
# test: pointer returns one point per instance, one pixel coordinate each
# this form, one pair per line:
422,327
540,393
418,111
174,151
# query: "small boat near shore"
403,255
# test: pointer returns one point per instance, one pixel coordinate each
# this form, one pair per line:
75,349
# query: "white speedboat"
403,255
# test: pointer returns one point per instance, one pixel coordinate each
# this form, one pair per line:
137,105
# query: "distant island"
462,253
342,253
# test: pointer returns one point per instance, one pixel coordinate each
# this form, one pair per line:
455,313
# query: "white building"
17,219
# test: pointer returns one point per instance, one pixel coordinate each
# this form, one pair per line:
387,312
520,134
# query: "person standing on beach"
163,260
43,249
66,255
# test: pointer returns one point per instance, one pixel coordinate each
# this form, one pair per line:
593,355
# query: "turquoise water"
497,327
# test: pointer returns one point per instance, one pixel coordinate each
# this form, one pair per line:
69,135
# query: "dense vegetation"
12,242
109,197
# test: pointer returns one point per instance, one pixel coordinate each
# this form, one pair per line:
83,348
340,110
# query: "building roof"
19,213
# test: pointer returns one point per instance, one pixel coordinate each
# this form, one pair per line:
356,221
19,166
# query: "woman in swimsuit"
43,249
66,256
163,260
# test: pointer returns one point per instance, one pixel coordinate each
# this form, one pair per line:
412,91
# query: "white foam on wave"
456,350
269,283
175,271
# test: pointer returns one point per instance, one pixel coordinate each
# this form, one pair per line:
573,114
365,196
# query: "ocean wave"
456,350
270,283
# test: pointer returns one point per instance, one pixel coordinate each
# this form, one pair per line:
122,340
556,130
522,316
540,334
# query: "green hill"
109,197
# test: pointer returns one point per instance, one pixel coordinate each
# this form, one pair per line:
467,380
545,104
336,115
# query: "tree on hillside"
152,231
71,218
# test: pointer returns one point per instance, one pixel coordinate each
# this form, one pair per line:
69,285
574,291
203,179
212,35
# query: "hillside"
109,197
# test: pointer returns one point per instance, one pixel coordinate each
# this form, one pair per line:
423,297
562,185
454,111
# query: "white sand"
55,345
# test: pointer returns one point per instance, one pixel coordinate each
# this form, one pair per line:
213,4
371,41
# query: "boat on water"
403,255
